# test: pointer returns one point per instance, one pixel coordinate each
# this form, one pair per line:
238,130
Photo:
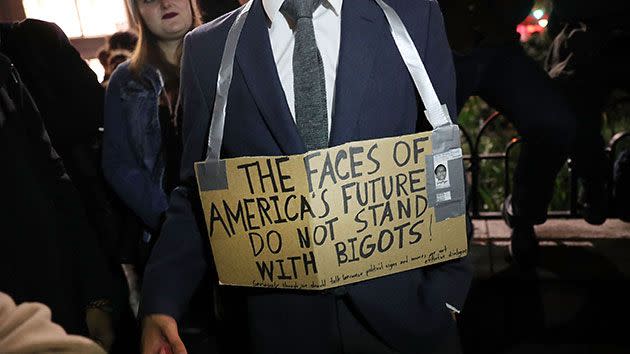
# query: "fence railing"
475,159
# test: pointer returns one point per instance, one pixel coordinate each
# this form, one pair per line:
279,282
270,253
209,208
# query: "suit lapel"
360,33
255,59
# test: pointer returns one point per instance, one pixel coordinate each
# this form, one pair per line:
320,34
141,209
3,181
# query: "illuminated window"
81,18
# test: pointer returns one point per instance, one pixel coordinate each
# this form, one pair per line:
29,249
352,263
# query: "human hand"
160,336
99,324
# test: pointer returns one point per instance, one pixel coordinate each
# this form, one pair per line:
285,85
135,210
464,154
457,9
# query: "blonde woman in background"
141,143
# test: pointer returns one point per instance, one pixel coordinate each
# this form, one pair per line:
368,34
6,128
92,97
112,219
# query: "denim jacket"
132,143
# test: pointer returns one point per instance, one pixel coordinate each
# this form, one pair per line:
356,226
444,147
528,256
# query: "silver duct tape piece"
436,113
444,119
448,200
211,175
445,138
224,80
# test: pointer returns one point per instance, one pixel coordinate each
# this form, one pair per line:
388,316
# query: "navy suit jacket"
375,98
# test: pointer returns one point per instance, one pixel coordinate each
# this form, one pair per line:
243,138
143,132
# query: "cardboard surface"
331,217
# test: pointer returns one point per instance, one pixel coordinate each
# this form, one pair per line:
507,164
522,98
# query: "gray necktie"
309,83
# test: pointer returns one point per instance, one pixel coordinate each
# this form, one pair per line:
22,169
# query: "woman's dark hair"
103,56
123,40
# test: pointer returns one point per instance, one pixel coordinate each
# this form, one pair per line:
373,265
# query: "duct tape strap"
436,113
445,174
211,174
444,169
224,80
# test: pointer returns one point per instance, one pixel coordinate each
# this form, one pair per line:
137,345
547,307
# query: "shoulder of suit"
410,5
213,33
414,14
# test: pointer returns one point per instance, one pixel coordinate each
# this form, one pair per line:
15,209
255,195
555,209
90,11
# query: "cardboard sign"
332,217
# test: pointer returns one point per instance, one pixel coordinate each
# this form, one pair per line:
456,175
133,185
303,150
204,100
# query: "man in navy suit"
369,95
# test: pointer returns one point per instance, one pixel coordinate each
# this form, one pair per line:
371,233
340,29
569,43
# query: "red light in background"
532,25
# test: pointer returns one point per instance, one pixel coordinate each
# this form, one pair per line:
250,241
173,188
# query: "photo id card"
440,163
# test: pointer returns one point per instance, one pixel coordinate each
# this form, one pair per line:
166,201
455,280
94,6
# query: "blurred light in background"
98,69
61,12
81,18
534,24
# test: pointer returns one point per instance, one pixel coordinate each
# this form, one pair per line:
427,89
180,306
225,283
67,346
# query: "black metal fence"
474,160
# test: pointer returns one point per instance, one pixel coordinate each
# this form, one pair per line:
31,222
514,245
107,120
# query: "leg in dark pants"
588,98
511,82
516,86
588,61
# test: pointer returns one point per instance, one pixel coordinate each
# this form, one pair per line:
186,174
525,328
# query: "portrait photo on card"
441,175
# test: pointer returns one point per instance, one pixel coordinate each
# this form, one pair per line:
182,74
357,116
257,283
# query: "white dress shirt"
327,25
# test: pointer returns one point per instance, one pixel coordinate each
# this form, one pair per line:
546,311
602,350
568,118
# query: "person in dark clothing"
491,63
70,100
588,59
48,251
54,72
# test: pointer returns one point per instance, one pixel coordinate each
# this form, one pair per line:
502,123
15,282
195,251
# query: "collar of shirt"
272,7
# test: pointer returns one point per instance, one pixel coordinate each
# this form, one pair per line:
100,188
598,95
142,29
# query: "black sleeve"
70,100
88,260
181,256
